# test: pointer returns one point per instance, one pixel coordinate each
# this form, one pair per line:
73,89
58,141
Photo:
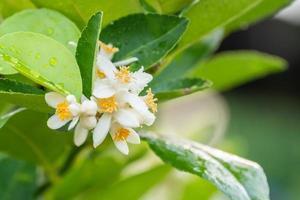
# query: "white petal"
88,122
74,109
55,123
54,98
106,66
127,118
71,99
73,123
103,89
80,135
89,108
126,61
140,80
133,137
101,129
148,117
122,146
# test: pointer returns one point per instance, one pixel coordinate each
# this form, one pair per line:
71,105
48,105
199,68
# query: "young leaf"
18,179
149,37
176,88
43,21
208,15
27,137
80,11
227,172
9,7
86,52
23,95
230,69
43,60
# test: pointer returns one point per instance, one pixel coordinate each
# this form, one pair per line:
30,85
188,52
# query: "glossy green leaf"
43,60
149,37
188,59
23,95
208,15
176,88
230,69
18,179
6,116
168,6
9,7
86,52
27,137
238,178
44,21
80,11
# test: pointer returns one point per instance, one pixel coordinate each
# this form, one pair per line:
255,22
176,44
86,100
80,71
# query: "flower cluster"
115,107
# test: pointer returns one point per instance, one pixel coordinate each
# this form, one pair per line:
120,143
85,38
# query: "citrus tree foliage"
52,46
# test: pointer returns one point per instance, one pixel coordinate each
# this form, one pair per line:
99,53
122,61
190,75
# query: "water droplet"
50,31
37,56
52,61
35,74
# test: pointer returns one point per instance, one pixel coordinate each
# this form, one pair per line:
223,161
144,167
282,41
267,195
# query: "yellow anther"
108,47
123,74
121,134
63,112
150,100
108,105
100,74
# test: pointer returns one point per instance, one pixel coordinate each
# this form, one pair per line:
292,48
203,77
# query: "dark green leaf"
6,116
149,37
176,88
23,95
27,137
86,52
230,69
43,60
80,11
238,178
17,179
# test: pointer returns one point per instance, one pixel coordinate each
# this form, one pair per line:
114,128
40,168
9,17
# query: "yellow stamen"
108,105
121,134
151,101
100,74
63,112
123,74
108,48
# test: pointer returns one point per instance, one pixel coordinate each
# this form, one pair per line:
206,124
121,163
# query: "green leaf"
230,69
238,178
9,7
149,37
133,187
80,11
43,60
176,88
27,137
5,117
17,179
86,52
168,6
23,95
44,21
208,15
188,59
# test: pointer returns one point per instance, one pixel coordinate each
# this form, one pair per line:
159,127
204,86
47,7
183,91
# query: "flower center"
121,134
108,48
108,105
151,101
62,111
100,74
123,74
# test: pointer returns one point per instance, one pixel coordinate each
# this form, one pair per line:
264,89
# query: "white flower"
125,108
121,135
107,50
87,121
140,80
67,109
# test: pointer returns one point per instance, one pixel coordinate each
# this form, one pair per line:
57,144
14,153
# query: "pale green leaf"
86,52
80,11
43,60
149,37
238,178
168,6
230,69
9,7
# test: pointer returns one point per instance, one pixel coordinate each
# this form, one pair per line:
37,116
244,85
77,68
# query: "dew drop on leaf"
52,61
37,56
50,31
